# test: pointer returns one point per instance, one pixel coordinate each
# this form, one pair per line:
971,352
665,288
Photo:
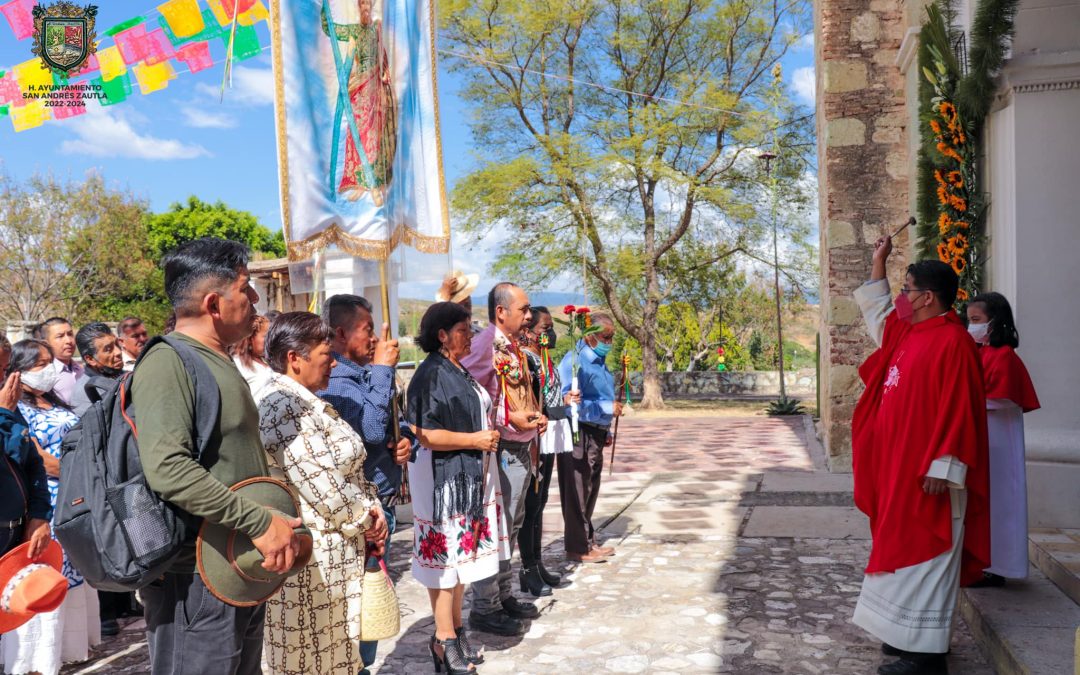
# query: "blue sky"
182,141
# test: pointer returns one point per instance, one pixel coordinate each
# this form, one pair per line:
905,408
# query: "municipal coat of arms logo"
64,35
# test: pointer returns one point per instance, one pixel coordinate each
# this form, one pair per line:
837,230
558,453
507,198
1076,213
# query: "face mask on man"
42,380
904,308
979,332
602,349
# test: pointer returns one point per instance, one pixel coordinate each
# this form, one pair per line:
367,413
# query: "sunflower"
958,264
959,242
958,203
940,178
943,252
936,126
944,224
947,111
948,151
955,179
962,295
942,196
961,224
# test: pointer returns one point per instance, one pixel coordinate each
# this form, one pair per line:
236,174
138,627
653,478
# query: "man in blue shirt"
361,389
580,471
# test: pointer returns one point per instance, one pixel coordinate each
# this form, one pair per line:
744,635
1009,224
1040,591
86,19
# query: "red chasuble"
924,399
1007,377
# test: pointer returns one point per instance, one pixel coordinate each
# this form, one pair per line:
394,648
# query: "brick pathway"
688,591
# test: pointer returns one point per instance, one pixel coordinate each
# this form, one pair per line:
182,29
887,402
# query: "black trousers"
579,486
191,632
532,529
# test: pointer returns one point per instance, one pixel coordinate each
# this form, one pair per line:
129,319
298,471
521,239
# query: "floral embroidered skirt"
453,551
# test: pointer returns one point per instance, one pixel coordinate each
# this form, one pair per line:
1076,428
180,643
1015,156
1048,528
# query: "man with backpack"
189,630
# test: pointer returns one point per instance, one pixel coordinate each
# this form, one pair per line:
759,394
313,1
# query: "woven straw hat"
457,287
29,587
231,566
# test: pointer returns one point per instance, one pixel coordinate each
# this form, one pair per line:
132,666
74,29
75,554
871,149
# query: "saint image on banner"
371,97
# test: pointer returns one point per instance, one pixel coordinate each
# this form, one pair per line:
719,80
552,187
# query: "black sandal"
471,654
453,660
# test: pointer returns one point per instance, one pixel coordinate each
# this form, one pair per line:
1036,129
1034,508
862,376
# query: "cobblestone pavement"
690,590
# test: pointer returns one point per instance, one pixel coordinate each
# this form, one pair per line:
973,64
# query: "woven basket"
380,617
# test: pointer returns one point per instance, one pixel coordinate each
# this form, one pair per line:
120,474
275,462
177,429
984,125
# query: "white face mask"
42,380
979,331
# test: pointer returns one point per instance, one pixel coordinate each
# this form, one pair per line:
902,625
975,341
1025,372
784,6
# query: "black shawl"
442,396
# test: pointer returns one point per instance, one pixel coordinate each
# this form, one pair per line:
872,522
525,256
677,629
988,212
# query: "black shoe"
550,578
532,582
916,664
451,659
496,623
989,580
471,655
109,627
520,610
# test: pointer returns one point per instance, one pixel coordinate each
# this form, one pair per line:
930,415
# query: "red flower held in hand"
569,309
583,310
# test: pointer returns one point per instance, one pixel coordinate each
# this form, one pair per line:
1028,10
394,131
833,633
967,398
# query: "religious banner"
360,163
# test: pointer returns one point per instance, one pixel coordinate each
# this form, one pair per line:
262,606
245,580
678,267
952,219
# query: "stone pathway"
735,555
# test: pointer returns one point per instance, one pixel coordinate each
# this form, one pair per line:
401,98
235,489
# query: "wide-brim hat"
231,566
29,587
457,287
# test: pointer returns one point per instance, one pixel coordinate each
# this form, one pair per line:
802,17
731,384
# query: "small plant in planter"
785,406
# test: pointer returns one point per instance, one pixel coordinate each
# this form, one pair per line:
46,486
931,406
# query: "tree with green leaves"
621,132
197,219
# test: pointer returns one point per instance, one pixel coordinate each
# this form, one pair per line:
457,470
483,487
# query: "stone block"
896,165
843,380
843,311
843,76
841,233
886,135
865,28
845,131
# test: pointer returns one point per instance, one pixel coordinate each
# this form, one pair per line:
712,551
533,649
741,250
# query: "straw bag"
380,618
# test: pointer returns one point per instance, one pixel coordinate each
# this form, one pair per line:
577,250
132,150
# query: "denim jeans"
191,632
369,649
515,477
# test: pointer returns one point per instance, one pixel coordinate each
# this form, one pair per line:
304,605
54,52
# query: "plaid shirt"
362,396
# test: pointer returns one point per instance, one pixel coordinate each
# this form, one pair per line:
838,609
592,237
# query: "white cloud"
805,43
205,119
107,133
250,86
804,85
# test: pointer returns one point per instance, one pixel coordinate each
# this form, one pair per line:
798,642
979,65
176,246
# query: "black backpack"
115,530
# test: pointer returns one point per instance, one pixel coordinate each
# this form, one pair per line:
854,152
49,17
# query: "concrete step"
1057,554
1025,628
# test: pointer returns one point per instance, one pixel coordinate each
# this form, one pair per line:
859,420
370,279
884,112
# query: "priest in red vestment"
919,454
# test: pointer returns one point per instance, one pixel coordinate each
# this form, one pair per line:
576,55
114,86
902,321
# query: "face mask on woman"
979,332
42,380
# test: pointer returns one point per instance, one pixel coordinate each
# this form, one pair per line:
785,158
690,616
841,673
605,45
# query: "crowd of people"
312,401
474,444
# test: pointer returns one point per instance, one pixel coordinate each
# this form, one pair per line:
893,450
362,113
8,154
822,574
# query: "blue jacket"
362,396
596,383
24,488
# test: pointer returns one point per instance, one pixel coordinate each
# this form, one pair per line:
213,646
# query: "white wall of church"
1033,176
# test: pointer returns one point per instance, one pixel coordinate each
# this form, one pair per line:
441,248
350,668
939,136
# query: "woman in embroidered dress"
66,634
313,623
1009,394
459,530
